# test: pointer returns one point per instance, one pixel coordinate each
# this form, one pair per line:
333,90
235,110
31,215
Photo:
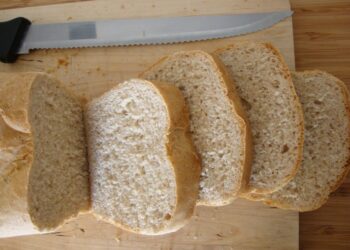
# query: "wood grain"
322,40
211,228
322,36
5,4
89,72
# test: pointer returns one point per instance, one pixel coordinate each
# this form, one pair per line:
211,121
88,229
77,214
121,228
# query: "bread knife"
19,35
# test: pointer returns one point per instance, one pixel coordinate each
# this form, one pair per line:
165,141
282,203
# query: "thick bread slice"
263,82
326,158
144,169
220,134
43,167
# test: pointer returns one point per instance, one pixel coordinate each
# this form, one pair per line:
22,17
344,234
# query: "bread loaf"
264,84
144,169
326,158
217,123
43,167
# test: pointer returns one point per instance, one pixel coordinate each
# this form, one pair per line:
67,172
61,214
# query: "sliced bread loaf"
263,82
43,167
218,129
144,169
326,158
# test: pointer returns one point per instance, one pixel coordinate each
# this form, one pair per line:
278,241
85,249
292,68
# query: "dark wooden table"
322,40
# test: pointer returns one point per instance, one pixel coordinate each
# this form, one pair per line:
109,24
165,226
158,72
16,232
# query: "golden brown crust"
242,118
16,153
239,114
288,77
254,197
286,206
14,110
346,99
182,154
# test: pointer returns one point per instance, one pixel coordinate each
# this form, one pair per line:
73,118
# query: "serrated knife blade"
145,31
19,36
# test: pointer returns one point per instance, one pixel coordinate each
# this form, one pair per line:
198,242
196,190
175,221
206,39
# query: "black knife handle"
12,33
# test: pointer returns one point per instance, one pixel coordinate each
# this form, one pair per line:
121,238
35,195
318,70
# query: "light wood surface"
244,225
89,72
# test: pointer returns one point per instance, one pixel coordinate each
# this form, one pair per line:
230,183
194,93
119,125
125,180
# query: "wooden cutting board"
90,72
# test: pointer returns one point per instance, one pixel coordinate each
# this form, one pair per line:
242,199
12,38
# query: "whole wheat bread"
263,82
43,167
217,124
326,157
144,169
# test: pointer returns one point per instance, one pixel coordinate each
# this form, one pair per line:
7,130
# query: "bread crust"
182,155
237,112
346,167
16,153
228,83
297,104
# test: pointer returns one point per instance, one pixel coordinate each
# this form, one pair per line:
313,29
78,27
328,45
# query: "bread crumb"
62,62
285,149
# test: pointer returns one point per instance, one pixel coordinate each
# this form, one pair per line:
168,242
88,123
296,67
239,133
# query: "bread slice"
263,82
326,157
43,167
144,169
217,125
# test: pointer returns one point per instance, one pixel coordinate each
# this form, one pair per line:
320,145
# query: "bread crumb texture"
58,182
264,84
216,130
44,172
133,181
326,155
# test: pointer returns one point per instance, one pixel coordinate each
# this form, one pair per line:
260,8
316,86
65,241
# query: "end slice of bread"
220,134
326,158
264,84
43,165
144,169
